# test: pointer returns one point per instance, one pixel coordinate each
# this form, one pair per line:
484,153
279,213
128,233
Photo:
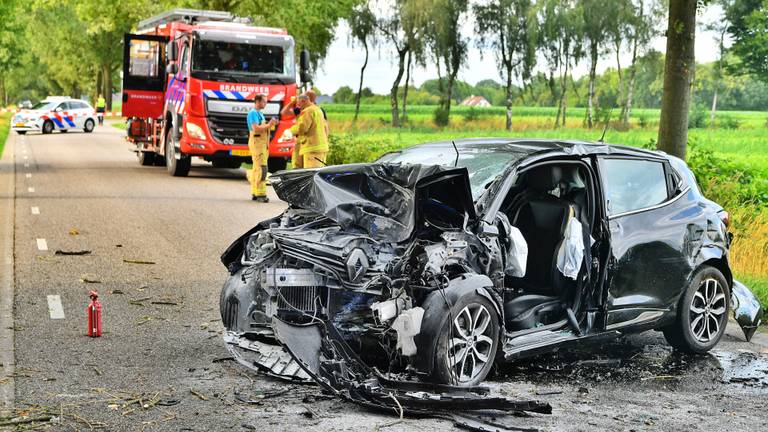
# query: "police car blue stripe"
58,123
69,121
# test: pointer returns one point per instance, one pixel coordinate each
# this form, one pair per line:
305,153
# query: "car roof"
532,146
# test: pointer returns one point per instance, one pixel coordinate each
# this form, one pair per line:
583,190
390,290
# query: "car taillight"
726,218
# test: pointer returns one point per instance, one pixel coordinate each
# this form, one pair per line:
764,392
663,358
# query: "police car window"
633,184
144,58
63,106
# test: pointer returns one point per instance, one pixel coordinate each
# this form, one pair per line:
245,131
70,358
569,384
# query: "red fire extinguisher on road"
94,315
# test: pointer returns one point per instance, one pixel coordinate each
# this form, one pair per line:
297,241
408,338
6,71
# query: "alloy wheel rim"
471,343
708,308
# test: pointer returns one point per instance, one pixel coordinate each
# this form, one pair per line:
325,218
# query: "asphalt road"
154,244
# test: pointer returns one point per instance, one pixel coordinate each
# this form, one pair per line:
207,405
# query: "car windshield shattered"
385,285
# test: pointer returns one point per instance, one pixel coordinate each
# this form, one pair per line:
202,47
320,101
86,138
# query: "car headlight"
195,131
259,247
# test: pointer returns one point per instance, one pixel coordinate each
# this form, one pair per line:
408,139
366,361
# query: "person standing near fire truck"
100,108
258,145
310,130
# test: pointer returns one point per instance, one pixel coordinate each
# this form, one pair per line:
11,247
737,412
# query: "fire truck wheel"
89,125
176,167
276,164
147,158
47,127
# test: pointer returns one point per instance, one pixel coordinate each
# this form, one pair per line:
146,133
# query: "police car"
55,113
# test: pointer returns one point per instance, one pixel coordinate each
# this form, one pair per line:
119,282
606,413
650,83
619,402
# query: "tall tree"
749,30
362,24
447,46
679,69
10,43
641,31
507,27
599,20
720,27
561,37
398,26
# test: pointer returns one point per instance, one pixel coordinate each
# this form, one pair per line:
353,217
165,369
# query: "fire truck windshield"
242,59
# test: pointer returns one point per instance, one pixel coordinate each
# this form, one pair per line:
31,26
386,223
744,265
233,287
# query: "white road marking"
35,210
31,189
55,309
26,165
26,157
29,175
42,245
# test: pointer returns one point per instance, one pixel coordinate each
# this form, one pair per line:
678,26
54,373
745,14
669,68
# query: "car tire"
147,158
477,342
176,167
89,125
702,313
275,164
21,132
47,127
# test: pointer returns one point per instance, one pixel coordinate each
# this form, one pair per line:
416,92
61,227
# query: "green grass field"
5,127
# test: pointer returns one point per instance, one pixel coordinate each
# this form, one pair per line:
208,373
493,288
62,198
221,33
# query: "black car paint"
616,299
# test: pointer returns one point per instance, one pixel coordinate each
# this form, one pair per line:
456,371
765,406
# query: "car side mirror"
304,67
172,68
172,51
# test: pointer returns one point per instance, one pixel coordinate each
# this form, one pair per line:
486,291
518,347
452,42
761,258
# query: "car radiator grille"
297,297
231,309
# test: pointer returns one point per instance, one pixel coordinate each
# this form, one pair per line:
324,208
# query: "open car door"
143,75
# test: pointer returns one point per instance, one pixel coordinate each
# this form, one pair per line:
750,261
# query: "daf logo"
357,265
240,108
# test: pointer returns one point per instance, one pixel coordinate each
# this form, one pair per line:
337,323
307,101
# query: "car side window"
633,184
62,107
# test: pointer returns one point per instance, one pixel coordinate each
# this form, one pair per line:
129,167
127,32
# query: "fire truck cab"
189,80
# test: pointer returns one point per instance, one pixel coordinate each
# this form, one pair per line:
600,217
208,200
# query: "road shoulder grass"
5,127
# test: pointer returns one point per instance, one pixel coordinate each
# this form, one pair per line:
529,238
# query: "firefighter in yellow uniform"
258,145
311,132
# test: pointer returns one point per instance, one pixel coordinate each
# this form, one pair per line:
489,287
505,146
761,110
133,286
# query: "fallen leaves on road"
139,302
78,253
198,394
74,232
117,291
133,261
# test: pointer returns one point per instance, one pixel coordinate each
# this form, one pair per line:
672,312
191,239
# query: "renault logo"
357,265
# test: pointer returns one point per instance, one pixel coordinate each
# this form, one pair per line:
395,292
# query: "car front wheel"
89,125
468,342
47,127
702,314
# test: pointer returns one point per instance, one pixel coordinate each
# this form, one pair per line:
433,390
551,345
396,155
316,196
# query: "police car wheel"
47,127
21,132
89,125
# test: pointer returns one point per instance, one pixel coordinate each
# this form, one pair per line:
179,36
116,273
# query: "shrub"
697,118
471,114
728,122
642,121
441,116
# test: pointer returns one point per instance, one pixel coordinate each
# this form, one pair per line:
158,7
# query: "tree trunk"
404,117
107,71
626,110
396,86
714,109
718,79
509,98
679,69
592,74
620,93
360,87
564,95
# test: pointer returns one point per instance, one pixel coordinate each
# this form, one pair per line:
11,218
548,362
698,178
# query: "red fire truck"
189,79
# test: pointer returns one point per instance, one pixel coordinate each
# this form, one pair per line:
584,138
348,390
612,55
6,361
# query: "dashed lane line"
30,189
35,210
29,175
42,244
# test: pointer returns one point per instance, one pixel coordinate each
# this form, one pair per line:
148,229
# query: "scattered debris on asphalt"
78,253
133,261
198,394
88,280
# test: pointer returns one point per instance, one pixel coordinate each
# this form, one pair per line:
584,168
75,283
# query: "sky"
343,62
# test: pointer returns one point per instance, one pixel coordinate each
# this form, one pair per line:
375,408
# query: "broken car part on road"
381,278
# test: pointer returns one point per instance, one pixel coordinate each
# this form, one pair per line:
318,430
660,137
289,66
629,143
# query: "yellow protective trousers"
258,145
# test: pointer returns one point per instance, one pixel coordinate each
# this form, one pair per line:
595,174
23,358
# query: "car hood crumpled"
380,199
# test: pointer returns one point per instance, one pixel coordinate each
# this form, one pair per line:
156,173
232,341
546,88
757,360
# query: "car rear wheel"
89,125
702,314
176,167
147,158
47,127
468,342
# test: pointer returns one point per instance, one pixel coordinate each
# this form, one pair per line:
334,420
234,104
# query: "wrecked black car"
437,261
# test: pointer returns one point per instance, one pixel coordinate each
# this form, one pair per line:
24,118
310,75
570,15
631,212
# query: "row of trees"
75,46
